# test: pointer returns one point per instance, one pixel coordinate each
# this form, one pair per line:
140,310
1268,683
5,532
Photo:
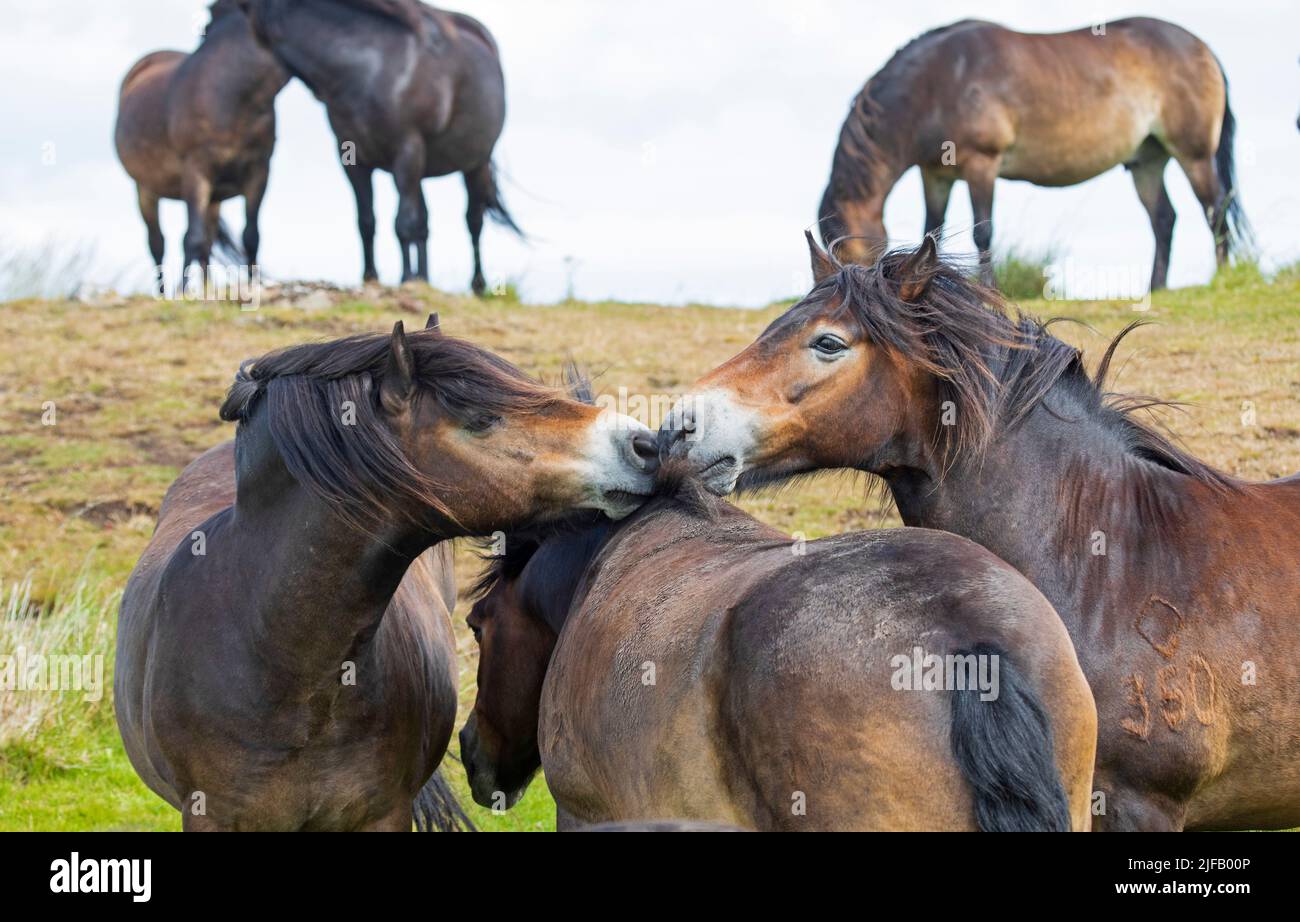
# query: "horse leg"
938,188
1149,179
197,189
363,188
412,214
980,173
254,190
149,211
478,189
1205,184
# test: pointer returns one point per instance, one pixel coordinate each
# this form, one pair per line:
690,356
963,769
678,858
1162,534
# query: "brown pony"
692,663
1179,584
284,659
976,101
200,127
409,89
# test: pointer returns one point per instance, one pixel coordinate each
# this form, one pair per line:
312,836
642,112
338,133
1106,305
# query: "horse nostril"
645,446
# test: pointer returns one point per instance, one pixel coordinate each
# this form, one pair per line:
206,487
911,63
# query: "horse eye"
828,344
482,422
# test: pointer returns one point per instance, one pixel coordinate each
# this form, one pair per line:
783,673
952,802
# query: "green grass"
137,383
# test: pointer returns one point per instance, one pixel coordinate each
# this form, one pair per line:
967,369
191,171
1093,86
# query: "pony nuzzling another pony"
1179,584
692,663
285,658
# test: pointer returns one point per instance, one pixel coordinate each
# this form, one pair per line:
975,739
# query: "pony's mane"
220,9
406,13
993,364
322,400
859,152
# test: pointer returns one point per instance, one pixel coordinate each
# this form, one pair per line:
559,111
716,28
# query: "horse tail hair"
496,207
1234,227
436,808
1004,749
227,246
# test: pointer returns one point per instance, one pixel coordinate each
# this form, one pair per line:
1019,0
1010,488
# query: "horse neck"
328,54
243,68
317,588
864,168
1049,496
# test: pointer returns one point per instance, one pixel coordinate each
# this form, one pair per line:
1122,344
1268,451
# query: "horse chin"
487,791
756,478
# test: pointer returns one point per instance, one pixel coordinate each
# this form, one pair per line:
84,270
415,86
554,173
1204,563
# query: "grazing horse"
693,663
976,101
1179,584
283,657
409,89
200,127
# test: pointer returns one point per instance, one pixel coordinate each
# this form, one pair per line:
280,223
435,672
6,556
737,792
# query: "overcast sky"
668,151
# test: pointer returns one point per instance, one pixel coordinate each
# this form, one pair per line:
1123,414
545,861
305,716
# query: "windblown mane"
994,366
359,466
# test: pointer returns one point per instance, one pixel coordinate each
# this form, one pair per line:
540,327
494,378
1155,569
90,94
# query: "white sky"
675,151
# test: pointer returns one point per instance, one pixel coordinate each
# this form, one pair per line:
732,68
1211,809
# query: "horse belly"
1082,150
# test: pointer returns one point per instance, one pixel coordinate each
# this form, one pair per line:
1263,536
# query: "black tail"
1004,749
1233,227
496,208
437,810
227,247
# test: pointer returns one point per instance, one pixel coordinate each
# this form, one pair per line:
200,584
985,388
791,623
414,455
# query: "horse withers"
692,663
409,89
976,101
284,659
1179,584
200,128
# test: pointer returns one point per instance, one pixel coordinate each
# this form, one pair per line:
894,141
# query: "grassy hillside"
135,385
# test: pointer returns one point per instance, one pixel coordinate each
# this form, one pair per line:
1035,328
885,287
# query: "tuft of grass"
52,268
505,292
1021,274
55,660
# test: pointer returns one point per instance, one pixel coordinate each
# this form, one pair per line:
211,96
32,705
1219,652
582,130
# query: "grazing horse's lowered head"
521,602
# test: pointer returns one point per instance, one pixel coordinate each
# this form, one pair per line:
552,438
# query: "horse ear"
398,385
918,269
433,323
822,264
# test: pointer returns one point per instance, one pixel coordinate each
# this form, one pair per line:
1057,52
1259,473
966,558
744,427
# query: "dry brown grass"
136,385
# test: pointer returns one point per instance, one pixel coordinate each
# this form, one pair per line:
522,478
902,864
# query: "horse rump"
1005,751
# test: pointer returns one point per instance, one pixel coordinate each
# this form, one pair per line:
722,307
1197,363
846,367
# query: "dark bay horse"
200,128
976,101
1179,584
409,89
284,659
692,663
